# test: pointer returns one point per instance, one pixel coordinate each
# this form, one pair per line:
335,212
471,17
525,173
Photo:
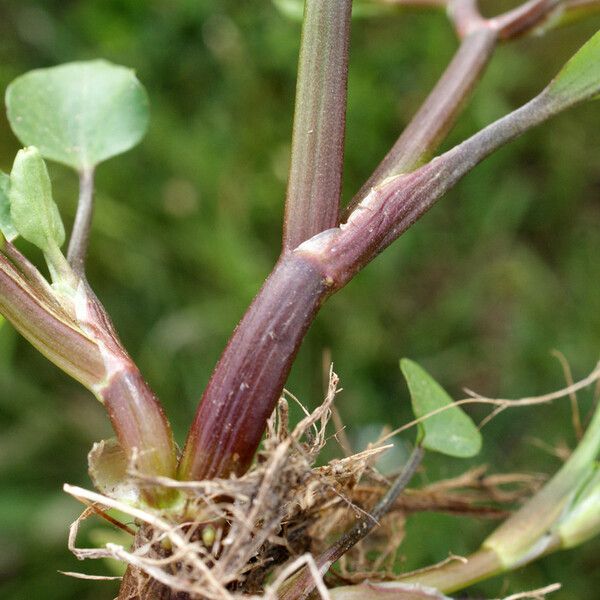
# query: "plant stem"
518,538
315,179
522,19
391,208
250,375
47,327
437,114
137,417
39,285
142,429
531,532
82,342
78,244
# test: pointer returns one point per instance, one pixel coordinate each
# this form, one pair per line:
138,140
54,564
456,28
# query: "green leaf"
579,79
80,113
451,431
34,212
582,520
6,223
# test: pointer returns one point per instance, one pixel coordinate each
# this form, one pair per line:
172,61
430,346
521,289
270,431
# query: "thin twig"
535,594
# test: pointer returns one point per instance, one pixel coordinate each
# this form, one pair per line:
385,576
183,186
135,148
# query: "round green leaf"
451,431
579,79
80,113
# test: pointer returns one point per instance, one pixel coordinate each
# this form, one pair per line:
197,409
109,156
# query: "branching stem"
437,114
248,379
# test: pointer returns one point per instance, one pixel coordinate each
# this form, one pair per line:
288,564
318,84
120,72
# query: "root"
244,536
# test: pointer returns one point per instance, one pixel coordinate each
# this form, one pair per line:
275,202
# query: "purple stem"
249,378
47,327
85,346
315,180
251,373
437,114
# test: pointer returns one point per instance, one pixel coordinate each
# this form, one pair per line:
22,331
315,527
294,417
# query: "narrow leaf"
80,113
7,227
34,212
579,79
451,431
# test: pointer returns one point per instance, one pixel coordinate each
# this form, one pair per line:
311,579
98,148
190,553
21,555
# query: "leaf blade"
32,208
451,431
7,227
79,113
579,79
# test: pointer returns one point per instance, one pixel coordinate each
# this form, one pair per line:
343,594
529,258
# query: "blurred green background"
501,272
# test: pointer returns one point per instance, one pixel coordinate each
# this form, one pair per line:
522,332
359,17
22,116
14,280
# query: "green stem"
78,244
522,537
